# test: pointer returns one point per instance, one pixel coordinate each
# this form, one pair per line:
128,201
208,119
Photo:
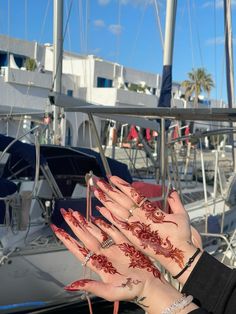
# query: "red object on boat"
150,191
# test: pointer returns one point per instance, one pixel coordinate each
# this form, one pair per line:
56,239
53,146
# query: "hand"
165,237
125,272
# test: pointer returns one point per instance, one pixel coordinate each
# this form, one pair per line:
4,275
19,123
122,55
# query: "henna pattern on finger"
62,233
105,236
107,186
138,259
101,222
151,212
129,283
100,262
102,196
76,285
69,216
137,197
152,239
154,213
80,219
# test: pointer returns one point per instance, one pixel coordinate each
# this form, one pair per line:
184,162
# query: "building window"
3,59
70,92
103,82
19,60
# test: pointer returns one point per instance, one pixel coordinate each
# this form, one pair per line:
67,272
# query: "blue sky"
127,32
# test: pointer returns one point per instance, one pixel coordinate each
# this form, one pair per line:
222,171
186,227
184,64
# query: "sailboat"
211,213
31,257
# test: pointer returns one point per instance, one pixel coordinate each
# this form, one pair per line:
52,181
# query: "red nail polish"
98,208
54,228
63,211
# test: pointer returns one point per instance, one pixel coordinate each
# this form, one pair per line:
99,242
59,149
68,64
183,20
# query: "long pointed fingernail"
63,211
54,227
77,285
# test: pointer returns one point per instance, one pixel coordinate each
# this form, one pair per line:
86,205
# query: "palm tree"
198,81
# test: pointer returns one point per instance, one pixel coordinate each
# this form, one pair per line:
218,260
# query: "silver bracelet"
178,305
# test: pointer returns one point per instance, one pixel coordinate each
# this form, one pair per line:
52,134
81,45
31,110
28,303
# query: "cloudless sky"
127,32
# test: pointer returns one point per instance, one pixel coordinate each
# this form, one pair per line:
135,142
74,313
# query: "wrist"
159,297
191,257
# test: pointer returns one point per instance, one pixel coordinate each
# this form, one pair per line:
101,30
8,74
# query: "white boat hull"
38,279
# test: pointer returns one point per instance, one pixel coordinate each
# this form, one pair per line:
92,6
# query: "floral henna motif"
138,259
152,239
76,285
99,261
129,283
154,213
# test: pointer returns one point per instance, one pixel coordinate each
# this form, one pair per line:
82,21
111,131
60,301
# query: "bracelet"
178,305
188,264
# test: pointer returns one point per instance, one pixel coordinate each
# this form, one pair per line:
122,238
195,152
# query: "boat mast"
229,68
57,67
166,85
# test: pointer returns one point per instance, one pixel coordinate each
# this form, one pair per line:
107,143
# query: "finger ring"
87,258
130,214
142,201
107,243
132,208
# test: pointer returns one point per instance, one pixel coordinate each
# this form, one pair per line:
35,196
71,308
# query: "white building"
87,77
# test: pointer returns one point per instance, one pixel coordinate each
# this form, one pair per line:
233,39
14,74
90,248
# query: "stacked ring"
107,243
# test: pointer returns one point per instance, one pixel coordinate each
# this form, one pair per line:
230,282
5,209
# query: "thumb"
175,203
106,291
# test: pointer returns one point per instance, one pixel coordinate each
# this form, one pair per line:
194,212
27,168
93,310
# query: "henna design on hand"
99,261
139,300
129,283
154,213
74,286
62,233
105,236
101,222
80,218
107,186
102,196
68,215
152,239
139,260
136,196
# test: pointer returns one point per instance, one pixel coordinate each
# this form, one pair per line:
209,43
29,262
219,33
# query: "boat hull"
36,280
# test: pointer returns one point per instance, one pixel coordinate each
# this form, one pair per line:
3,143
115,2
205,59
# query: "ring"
142,201
87,258
107,243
